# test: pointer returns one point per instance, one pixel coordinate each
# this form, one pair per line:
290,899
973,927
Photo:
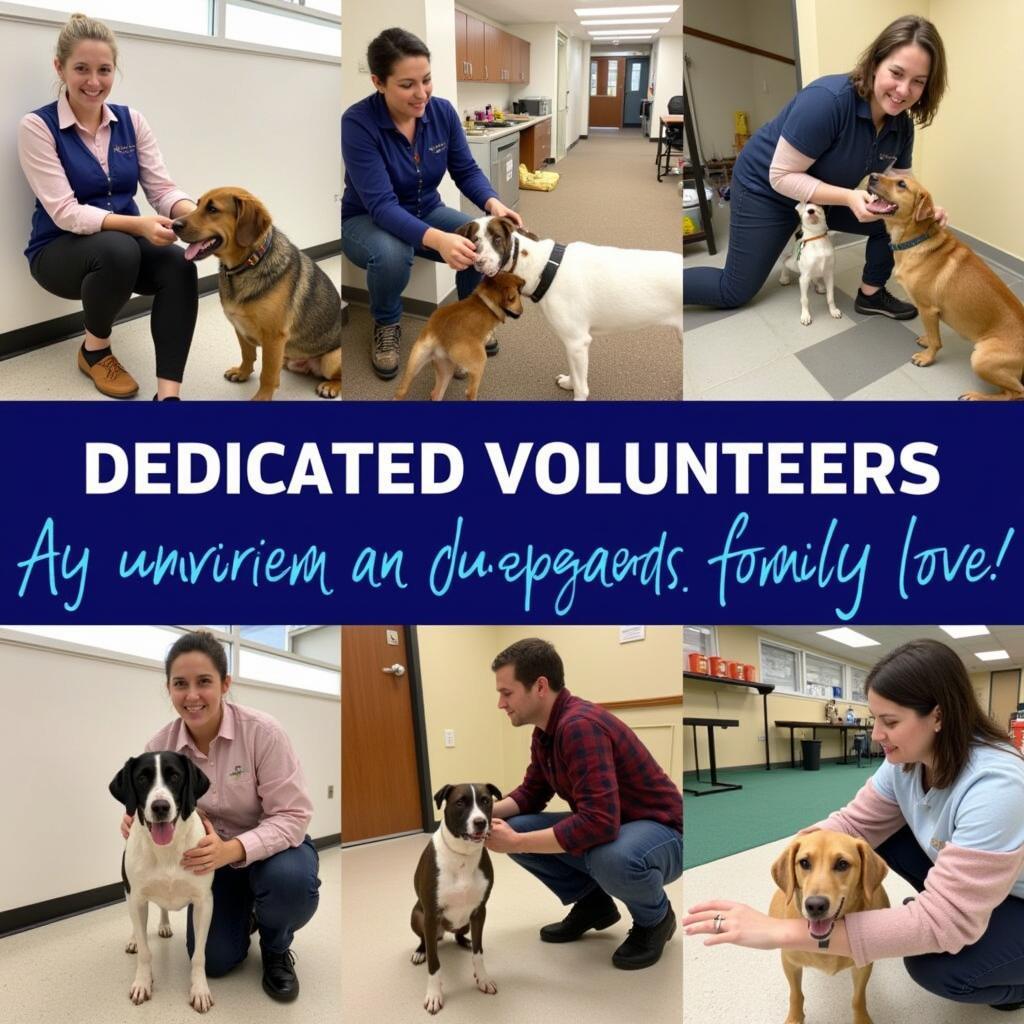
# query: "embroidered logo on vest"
936,843
438,147
126,149
237,772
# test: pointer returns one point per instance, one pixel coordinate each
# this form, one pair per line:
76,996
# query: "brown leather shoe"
109,376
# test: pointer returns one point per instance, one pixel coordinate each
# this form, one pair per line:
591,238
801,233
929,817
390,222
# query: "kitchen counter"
500,133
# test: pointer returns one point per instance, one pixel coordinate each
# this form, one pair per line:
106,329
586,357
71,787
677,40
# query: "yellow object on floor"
689,228
539,181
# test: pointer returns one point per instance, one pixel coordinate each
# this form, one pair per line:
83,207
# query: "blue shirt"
395,181
828,121
982,810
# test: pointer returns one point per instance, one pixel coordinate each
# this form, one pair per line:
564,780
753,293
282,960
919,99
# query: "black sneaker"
279,980
596,910
643,945
1007,1006
883,304
491,346
387,338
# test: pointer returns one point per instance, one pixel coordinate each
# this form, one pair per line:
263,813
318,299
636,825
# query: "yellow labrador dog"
823,876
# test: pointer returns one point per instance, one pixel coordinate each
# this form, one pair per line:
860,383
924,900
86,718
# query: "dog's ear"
784,870
800,208
196,784
924,208
872,870
441,795
519,282
493,790
122,788
468,230
528,234
251,220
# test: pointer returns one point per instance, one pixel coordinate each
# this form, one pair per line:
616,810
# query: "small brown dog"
455,335
946,280
277,299
822,876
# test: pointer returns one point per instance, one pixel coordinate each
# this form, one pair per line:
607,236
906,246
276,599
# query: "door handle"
395,670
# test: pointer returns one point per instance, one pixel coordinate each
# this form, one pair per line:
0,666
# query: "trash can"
811,753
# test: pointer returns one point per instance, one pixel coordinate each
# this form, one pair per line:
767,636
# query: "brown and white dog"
947,281
453,881
455,335
277,299
596,290
823,876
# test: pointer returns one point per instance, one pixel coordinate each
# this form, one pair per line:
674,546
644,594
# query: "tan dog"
823,876
455,335
946,280
275,296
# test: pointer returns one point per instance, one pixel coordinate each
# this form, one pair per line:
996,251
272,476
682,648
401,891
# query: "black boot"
279,980
1007,1006
595,910
643,945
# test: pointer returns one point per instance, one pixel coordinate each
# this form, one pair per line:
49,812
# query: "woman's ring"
719,921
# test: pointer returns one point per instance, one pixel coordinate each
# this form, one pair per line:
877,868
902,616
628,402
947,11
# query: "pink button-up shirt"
257,791
47,179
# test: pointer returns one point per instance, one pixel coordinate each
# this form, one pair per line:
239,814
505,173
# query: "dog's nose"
479,824
816,906
161,808
178,226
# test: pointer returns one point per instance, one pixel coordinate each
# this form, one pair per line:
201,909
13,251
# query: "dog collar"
804,241
496,309
548,274
254,257
897,246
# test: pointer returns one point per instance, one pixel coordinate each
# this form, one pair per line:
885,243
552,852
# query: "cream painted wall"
459,694
668,77
975,130
76,720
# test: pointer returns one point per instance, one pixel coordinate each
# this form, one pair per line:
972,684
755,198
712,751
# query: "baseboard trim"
410,307
49,332
782,765
34,915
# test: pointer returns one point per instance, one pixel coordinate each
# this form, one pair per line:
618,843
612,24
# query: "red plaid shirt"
596,763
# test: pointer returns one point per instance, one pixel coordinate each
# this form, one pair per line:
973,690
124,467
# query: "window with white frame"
294,30
780,666
822,676
700,640
181,16
858,679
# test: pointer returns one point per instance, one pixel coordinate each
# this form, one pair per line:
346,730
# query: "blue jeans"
759,230
387,260
281,890
989,971
634,867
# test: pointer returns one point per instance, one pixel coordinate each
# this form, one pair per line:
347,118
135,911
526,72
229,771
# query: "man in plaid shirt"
624,834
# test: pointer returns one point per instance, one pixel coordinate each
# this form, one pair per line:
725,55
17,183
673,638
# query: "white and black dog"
584,290
161,790
453,880
813,258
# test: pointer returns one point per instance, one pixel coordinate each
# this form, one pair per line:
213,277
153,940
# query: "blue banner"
511,512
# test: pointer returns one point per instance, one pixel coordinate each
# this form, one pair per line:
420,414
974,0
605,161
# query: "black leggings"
105,268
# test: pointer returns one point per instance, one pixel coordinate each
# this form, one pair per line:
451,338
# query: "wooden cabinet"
485,53
535,145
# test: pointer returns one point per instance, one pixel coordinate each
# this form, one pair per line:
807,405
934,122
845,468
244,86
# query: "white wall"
667,68
70,723
579,89
222,117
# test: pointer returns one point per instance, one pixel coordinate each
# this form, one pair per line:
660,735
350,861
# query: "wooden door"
515,52
492,54
380,784
1003,695
461,48
475,48
505,49
607,85
524,61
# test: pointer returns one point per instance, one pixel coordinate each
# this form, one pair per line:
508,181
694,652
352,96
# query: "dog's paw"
237,375
418,957
972,396
784,278
329,388
819,287
485,984
435,997
199,997
835,312
805,318
164,931
262,396
564,381
922,359
142,988
131,947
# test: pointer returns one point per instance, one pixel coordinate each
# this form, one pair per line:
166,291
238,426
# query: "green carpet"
771,805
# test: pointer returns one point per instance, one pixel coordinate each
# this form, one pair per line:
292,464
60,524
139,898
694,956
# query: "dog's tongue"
819,929
193,250
162,832
880,206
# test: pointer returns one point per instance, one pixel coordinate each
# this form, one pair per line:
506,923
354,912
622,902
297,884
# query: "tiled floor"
762,351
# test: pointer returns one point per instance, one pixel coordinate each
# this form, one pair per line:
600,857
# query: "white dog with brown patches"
814,259
584,290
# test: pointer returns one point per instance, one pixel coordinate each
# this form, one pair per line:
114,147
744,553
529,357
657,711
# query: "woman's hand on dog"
211,852
496,208
126,825
457,251
741,925
157,230
857,201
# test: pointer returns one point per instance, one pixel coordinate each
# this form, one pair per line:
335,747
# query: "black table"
843,727
762,688
711,724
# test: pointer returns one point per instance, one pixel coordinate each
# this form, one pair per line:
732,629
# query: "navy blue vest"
115,194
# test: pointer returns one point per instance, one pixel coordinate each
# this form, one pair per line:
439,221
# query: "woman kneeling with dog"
84,160
397,145
946,812
255,812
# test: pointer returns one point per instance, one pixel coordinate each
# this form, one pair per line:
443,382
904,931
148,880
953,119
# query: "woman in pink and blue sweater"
946,812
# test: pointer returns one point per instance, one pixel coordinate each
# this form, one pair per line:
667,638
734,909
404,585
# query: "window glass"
285,30
780,665
270,668
822,675
180,16
634,80
613,78
138,641
699,640
858,677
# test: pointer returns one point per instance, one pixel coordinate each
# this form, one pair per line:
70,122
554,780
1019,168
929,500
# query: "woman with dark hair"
819,148
946,812
255,812
397,145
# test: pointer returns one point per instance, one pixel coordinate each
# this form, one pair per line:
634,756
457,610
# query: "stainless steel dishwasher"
505,169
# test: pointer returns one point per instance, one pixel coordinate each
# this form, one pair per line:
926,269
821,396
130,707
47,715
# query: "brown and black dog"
823,876
275,296
946,280
455,335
